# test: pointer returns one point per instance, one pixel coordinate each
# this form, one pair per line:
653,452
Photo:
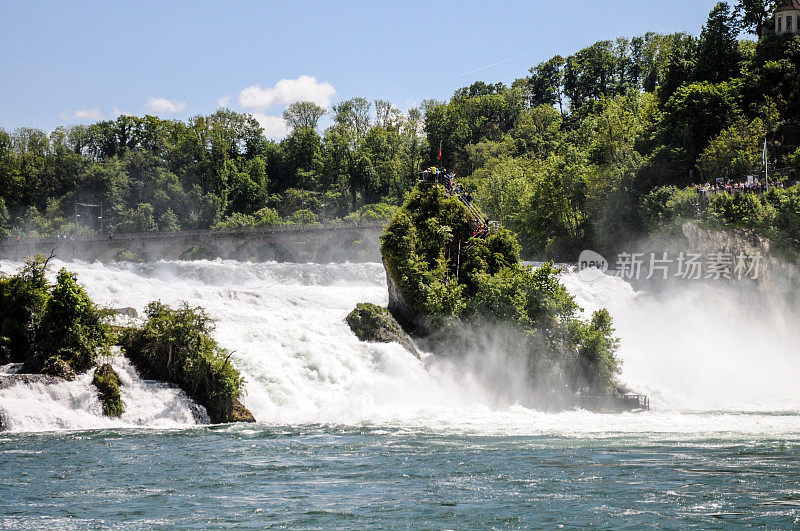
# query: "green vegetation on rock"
22,300
51,329
58,330
175,345
107,383
775,214
442,278
71,327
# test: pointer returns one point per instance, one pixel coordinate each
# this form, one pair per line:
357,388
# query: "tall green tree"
697,113
545,84
679,57
717,51
754,14
303,114
589,75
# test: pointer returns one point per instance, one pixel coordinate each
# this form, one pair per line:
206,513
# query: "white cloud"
224,101
286,91
165,106
274,126
89,114
117,113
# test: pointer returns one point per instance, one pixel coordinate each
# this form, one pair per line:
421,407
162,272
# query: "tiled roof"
789,5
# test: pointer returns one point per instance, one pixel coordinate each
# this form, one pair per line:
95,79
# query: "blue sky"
77,62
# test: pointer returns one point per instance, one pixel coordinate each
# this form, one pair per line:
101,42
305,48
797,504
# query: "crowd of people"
754,186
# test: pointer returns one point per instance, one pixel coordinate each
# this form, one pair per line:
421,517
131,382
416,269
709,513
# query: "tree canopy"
562,156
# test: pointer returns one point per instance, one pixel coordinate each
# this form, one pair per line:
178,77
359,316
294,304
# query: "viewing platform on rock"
481,227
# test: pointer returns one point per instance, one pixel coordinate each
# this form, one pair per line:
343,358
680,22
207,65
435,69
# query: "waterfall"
705,359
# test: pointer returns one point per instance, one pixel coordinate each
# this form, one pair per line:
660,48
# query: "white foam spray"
43,405
706,367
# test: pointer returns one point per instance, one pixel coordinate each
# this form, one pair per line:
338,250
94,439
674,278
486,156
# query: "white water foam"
701,346
302,364
37,406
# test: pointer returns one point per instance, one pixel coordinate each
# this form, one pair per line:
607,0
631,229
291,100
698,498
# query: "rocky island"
448,273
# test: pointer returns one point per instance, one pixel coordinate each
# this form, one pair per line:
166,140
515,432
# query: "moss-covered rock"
175,345
373,323
107,382
239,413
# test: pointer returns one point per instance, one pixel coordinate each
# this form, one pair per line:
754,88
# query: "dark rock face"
417,324
373,323
773,268
777,276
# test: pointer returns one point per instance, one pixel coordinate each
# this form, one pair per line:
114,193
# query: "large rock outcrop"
409,319
772,267
373,323
239,413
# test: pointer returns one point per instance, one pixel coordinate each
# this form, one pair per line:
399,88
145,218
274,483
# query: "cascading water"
708,364
43,405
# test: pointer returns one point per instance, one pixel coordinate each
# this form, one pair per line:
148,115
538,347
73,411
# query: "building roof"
789,5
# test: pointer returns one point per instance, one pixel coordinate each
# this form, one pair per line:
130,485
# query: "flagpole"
766,167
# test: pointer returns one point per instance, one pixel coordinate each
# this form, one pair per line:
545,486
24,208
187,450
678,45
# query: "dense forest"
585,151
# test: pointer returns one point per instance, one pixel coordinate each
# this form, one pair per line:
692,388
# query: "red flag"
440,151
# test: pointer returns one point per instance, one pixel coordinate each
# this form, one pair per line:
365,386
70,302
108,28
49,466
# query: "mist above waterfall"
704,346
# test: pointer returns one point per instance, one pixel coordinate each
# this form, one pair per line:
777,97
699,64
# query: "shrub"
666,204
794,161
373,212
22,301
743,210
71,327
140,219
175,345
169,221
303,217
107,383
54,330
596,344
786,203
236,220
264,217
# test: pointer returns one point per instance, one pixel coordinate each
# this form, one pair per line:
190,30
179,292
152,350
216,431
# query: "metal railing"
627,402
